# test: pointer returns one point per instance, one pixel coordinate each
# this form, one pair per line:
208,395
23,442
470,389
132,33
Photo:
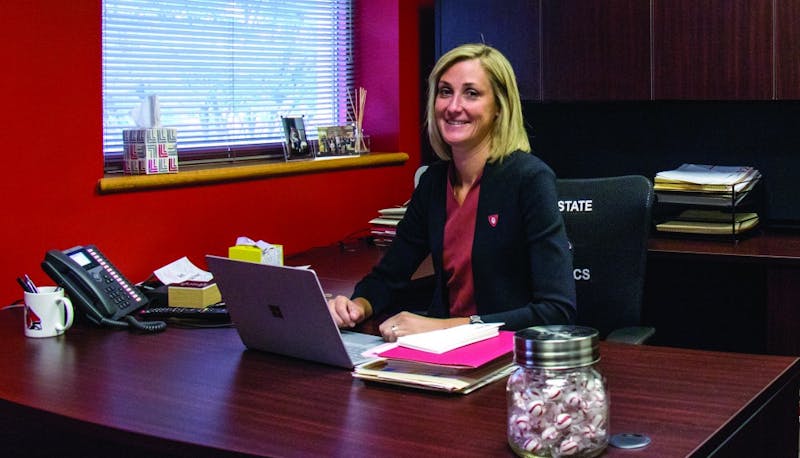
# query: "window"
225,71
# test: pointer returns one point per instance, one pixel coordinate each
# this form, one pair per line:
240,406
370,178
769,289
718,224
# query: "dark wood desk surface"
764,247
199,392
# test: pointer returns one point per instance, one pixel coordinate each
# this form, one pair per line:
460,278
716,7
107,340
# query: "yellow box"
272,255
245,253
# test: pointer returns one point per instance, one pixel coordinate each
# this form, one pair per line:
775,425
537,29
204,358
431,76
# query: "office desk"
199,393
748,285
714,295
340,266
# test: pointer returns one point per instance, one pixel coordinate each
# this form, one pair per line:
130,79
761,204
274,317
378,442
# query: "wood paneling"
787,56
637,50
712,49
783,313
595,50
511,26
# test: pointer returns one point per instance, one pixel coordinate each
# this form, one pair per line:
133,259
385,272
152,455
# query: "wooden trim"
128,183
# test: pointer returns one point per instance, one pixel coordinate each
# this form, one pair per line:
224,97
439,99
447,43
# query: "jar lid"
556,346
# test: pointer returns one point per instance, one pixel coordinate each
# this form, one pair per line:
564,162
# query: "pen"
31,285
23,285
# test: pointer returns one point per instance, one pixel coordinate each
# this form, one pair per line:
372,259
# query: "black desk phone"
97,288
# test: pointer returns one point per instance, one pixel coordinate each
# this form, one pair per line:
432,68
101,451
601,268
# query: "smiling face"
465,107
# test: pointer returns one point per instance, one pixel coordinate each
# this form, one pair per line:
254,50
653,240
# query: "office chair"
608,223
419,173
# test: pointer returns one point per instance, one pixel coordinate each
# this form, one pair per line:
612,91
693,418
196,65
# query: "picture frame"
336,141
295,144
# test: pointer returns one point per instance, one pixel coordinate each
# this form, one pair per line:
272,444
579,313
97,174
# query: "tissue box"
273,255
245,253
151,150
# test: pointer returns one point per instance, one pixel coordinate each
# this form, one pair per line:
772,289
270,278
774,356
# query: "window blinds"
224,71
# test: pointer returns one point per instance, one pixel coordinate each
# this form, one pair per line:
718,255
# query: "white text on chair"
575,205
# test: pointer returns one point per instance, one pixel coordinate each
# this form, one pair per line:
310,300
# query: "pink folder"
469,356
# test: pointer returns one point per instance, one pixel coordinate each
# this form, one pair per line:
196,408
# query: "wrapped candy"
557,405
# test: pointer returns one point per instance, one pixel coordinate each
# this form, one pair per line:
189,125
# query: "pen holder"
48,312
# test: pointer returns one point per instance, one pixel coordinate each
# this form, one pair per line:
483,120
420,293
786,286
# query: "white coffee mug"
48,313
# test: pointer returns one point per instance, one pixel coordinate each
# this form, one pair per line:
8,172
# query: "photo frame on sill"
337,141
295,144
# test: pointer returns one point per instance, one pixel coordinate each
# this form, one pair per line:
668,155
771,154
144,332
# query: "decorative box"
150,150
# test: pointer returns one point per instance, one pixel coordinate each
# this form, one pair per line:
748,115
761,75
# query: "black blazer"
521,264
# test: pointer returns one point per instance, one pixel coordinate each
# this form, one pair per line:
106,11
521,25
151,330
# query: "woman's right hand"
348,313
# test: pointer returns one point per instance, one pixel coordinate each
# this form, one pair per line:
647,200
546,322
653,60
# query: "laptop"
283,310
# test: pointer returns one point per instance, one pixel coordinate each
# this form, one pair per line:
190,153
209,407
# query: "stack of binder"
707,199
384,227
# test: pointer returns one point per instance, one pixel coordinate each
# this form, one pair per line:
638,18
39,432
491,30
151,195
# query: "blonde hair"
508,134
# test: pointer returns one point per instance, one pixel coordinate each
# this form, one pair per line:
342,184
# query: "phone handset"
98,288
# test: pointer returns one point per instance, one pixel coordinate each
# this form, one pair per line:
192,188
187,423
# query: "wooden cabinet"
712,50
595,50
511,26
787,56
635,49
725,296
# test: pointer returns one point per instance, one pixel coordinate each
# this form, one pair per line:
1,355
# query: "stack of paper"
384,227
443,340
694,221
710,196
723,186
194,294
461,370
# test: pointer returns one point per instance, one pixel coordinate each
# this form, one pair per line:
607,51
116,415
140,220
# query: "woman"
487,213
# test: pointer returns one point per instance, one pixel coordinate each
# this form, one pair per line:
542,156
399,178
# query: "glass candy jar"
557,400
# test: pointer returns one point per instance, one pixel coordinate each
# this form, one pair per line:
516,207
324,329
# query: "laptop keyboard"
356,343
355,351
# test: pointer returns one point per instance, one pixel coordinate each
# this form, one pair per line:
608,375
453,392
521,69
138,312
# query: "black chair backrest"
608,223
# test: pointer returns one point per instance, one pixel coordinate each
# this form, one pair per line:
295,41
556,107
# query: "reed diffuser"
357,103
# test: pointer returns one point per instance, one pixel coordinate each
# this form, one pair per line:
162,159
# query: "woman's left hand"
405,323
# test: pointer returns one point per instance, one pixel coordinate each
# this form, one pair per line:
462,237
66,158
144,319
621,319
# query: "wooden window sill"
216,174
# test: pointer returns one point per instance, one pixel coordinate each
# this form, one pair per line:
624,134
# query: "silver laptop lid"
280,309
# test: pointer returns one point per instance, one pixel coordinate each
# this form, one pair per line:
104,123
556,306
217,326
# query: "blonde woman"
487,213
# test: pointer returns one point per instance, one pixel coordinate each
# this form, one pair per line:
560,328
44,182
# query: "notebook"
283,310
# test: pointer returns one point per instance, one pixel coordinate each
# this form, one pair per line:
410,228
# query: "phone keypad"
120,290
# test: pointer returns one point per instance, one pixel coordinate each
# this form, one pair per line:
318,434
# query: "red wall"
52,140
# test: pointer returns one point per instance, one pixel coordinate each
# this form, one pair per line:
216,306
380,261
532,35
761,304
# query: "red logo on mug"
33,322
